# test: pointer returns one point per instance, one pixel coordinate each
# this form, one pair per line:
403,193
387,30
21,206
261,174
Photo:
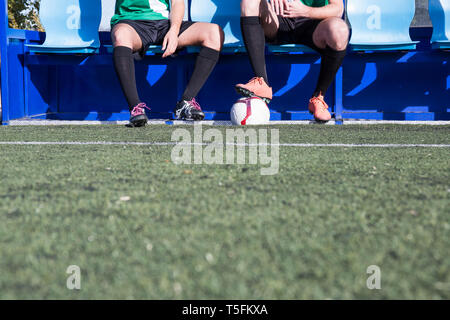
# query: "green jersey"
315,3
141,10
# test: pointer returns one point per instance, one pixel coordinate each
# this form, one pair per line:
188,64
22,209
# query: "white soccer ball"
250,111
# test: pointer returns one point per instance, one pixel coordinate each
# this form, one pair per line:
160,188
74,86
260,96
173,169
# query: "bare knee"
337,34
122,36
119,38
213,37
250,8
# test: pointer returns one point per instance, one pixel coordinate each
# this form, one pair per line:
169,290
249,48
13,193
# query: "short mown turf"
140,226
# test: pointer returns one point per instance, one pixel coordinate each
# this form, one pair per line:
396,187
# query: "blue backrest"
440,16
71,22
380,21
225,13
108,8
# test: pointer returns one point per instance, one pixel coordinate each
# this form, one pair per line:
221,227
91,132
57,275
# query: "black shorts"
152,32
296,30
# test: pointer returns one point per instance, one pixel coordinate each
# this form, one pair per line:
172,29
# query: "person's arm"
296,9
170,42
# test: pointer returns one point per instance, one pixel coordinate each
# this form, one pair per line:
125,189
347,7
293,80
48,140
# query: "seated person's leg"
258,21
210,37
331,38
126,41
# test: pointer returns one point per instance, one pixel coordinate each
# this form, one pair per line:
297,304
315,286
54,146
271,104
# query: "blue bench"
440,16
381,24
41,86
71,26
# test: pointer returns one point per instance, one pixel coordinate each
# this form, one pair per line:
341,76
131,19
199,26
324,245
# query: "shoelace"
195,104
256,79
322,104
139,109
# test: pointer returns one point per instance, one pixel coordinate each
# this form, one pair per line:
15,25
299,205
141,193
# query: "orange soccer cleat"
255,87
319,108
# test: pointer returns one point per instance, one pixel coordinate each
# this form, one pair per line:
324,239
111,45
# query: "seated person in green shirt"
315,23
137,24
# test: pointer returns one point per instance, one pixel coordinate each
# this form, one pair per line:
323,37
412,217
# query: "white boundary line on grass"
299,145
212,123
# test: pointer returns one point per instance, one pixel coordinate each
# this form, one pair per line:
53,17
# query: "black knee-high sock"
204,65
124,65
331,62
255,42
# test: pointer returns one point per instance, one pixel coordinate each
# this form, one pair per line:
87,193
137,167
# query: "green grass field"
225,231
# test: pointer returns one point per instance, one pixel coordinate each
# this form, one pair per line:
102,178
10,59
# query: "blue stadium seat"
290,48
152,49
381,24
440,16
71,26
226,13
